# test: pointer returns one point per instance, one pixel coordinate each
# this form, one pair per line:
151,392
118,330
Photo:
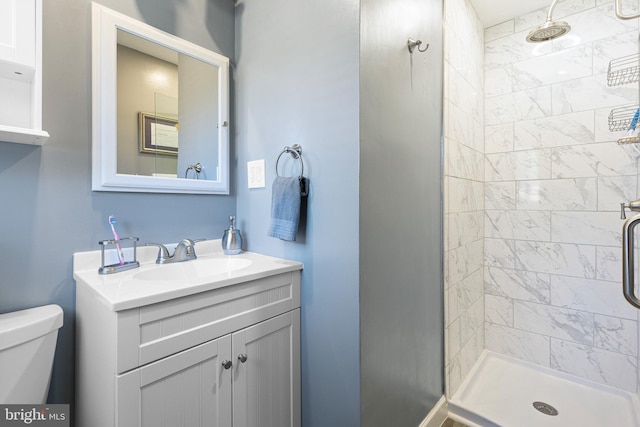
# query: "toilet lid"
25,325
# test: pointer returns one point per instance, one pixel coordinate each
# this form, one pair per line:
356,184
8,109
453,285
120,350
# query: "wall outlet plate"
256,174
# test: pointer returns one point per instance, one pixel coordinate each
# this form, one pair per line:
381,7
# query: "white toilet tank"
27,345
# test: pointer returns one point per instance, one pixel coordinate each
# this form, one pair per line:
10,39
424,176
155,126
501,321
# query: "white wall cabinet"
227,357
21,72
18,32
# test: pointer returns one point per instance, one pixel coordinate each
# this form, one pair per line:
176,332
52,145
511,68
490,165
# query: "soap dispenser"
232,239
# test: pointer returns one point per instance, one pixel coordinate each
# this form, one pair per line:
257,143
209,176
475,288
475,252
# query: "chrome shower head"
550,29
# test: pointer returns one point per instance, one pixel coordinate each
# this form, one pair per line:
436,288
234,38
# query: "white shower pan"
501,391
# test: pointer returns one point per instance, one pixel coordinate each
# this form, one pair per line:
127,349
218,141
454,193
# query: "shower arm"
619,12
553,6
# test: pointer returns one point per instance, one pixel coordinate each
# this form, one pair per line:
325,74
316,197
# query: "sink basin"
153,283
196,269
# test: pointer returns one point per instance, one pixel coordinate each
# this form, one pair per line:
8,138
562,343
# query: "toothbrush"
112,221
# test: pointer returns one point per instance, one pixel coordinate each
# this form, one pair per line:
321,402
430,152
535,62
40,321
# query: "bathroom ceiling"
492,12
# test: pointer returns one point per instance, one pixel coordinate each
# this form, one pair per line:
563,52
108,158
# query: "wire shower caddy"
622,71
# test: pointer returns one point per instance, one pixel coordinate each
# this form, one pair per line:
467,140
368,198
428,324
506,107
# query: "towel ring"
197,168
296,153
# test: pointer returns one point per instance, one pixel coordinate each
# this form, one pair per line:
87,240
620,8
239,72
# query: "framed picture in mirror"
158,134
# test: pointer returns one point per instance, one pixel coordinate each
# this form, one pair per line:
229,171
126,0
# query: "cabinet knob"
226,364
242,358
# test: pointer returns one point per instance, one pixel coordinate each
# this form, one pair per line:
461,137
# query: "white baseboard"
437,415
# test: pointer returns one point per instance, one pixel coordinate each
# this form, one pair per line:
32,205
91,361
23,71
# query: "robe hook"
412,44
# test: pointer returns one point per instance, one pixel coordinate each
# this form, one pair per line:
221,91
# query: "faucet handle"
163,252
632,206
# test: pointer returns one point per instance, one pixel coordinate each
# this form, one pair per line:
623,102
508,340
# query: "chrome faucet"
185,251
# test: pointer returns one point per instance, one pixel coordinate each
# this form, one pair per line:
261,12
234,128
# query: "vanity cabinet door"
266,386
188,389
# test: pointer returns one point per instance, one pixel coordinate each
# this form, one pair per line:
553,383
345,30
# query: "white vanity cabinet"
21,72
188,388
248,378
219,355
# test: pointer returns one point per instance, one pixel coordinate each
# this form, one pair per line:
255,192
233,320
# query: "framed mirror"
160,110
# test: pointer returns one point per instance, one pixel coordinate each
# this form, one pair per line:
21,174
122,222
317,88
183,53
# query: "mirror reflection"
167,110
160,110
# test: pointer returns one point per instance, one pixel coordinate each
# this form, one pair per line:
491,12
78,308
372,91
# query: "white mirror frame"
105,23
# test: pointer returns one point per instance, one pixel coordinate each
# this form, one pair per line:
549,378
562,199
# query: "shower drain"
545,408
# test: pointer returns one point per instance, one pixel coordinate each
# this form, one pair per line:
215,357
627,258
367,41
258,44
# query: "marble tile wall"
554,177
464,175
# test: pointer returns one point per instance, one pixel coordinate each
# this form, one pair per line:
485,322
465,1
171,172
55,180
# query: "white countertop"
152,283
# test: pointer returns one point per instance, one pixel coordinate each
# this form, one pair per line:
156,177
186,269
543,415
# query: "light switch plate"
255,174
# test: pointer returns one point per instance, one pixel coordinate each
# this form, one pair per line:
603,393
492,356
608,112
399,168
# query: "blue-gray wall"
297,83
401,272
47,209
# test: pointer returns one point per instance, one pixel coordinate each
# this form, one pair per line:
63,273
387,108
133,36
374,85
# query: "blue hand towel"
285,208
